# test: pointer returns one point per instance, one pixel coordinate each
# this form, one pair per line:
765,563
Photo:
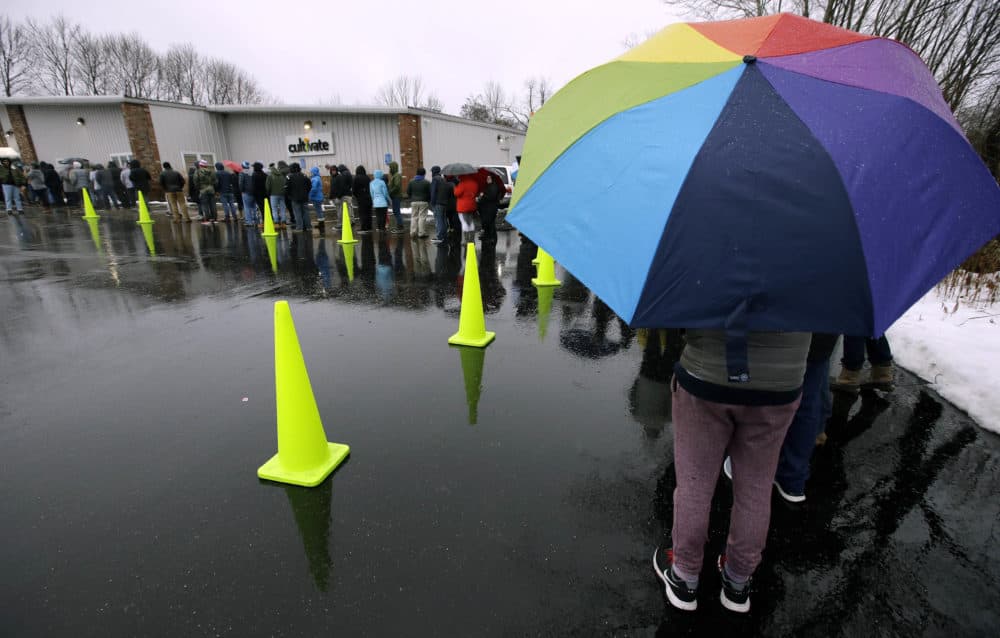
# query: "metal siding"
357,139
182,130
447,141
56,134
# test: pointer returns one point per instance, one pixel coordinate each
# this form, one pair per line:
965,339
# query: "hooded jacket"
259,180
276,183
52,179
205,180
465,194
316,182
36,179
437,181
80,176
361,187
380,192
226,181
104,179
395,181
297,186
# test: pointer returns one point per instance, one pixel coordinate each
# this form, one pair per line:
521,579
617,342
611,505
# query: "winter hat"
435,170
77,165
202,163
219,166
245,165
257,166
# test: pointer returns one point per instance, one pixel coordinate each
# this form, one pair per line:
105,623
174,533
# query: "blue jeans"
12,195
228,201
809,421
249,208
318,207
301,211
440,222
854,352
395,212
278,212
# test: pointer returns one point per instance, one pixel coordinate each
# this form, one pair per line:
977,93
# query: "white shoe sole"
674,600
791,498
731,606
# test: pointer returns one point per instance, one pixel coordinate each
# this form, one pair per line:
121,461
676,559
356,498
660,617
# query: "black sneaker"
734,597
678,592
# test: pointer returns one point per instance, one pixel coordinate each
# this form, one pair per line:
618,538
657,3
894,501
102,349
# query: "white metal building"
114,127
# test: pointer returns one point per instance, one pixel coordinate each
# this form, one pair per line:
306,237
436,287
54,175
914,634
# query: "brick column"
411,146
142,139
22,133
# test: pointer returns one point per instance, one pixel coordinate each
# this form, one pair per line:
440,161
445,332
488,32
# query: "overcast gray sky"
307,51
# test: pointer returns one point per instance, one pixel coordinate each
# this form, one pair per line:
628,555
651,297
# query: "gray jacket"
36,180
81,178
777,359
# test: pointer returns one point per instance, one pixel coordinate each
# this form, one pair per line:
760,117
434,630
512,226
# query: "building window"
191,159
122,159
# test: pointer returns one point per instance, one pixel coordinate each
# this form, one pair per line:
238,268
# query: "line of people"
43,184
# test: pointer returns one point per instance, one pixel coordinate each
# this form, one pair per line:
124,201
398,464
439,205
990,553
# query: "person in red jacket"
465,196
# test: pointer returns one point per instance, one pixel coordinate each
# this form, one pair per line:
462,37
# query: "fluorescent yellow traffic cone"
545,294
349,260
88,206
304,455
95,233
346,234
472,373
272,251
147,232
143,210
546,270
472,322
268,221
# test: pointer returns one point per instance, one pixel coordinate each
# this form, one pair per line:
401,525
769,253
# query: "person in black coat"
140,178
489,203
54,183
259,186
363,198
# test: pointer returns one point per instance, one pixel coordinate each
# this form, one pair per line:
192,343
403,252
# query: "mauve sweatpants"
703,432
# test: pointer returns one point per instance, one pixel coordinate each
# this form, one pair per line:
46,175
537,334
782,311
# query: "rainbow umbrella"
772,173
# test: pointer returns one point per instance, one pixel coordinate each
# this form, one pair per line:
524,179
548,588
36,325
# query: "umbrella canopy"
459,168
481,175
233,166
772,173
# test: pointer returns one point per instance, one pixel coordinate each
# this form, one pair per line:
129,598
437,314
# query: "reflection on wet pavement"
518,490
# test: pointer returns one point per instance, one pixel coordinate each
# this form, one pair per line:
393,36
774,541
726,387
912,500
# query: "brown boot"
883,377
848,381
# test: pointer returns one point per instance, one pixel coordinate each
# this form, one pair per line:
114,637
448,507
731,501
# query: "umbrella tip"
749,59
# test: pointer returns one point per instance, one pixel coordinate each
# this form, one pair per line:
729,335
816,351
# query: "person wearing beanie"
173,187
140,178
297,188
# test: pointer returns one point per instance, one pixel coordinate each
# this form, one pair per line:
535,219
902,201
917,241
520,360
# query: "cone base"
347,241
535,281
459,340
91,216
274,471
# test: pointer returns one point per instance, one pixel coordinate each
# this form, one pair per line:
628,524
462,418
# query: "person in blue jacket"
316,195
380,200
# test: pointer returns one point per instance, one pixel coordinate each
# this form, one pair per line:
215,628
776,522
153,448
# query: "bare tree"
15,56
134,65
492,105
181,74
405,90
90,64
537,90
54,42
433,103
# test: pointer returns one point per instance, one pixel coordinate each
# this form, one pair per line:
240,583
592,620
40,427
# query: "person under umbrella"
465,203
